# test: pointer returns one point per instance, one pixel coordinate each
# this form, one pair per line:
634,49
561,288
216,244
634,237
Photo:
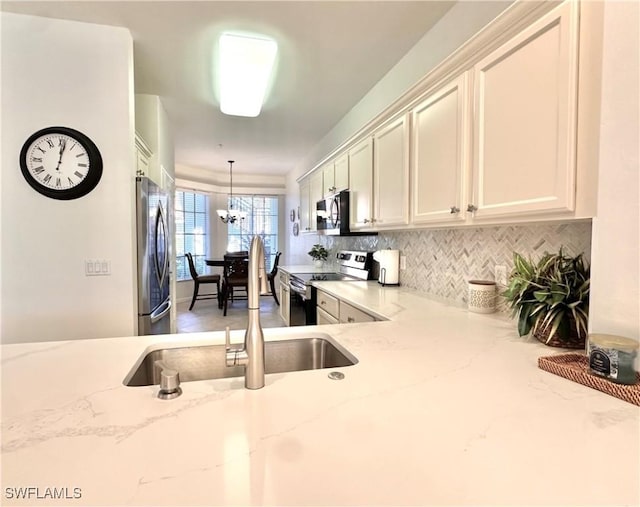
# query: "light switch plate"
97,267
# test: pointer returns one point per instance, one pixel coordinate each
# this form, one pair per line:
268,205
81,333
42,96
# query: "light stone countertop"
444,407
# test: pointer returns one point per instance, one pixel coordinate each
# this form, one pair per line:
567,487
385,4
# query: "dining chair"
271,276
236,276
202,279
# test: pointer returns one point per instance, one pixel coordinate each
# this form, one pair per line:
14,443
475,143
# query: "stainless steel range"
352,266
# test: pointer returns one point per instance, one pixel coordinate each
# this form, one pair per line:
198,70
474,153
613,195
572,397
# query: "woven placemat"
576,367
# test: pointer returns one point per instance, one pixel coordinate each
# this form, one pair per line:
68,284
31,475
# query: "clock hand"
63,145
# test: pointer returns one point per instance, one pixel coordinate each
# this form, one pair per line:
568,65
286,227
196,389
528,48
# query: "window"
262,219
192,218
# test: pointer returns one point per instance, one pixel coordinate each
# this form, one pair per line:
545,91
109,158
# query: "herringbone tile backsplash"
441,262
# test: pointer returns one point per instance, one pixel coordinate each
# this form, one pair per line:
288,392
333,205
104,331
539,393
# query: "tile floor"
206,316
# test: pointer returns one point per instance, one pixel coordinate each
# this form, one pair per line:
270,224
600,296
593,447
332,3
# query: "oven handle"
302,291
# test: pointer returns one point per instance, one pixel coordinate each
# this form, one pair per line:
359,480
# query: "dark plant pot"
573,340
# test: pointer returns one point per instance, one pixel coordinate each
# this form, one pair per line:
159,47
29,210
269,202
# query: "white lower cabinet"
283,296
350,314
331,310
323,317
327,303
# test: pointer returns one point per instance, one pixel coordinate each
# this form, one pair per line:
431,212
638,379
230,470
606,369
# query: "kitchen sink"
205,362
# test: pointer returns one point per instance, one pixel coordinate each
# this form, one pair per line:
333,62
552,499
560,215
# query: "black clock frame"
85,186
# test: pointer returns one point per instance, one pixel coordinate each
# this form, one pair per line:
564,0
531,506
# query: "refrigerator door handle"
161,229
161,311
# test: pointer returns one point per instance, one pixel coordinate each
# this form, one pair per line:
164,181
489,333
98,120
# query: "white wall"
77,75
615,301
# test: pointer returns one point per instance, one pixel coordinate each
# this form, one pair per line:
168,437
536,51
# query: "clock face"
61,163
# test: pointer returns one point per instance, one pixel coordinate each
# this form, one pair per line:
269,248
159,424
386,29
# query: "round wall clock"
61,163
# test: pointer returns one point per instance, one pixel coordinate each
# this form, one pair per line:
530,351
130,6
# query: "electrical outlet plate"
403,262
500,275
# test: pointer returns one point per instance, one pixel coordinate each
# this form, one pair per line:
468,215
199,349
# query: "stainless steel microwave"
332,216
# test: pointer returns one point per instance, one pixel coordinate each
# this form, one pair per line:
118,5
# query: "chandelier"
231,215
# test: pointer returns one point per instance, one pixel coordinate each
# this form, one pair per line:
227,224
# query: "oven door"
301,307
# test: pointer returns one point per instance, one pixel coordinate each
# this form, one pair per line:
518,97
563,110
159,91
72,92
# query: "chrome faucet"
251,356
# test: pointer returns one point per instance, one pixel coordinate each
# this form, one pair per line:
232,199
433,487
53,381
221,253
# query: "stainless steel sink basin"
208,361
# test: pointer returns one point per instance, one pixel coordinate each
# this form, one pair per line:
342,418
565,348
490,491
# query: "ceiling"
330,55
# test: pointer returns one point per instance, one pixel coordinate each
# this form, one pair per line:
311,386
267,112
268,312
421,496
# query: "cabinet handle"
350,319
369,220
454,210
471,208
323,302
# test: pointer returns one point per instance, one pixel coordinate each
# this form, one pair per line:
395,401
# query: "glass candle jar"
613,357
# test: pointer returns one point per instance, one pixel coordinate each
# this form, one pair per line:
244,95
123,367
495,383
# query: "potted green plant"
319,254
550,298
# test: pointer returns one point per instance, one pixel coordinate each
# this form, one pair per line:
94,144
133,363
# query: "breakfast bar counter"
444,407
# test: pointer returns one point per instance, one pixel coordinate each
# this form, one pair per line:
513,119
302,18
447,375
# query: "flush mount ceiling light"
231,215
245,69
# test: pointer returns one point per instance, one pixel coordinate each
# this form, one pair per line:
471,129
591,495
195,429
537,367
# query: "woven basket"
573,341
575,367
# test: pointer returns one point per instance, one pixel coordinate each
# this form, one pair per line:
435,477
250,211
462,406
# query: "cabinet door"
305,218
323,317
525,128
440,126
284,303
350,314
361,184
391,174
328,303
328,179
316,193
143,157
341,173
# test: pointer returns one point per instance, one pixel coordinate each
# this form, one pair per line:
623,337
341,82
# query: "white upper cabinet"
316,193
305,200
502,131
361,184
341,173
328,177
143,156
336,175
525,107
391,174
440,148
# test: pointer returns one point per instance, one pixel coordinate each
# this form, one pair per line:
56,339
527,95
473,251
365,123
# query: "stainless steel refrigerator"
154,299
